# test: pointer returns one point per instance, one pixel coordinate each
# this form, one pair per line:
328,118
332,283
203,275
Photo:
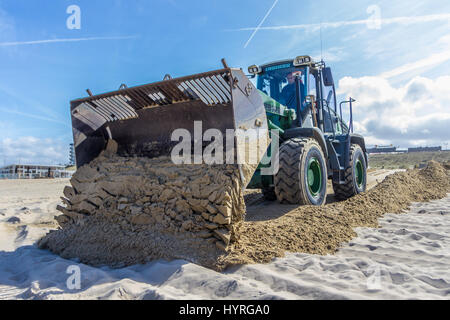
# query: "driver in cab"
288,93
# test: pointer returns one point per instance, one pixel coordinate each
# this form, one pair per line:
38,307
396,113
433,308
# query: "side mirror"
327,77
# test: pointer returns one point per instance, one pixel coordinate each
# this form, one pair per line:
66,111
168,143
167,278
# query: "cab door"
330,119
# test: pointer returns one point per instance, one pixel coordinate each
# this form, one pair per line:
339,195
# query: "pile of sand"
121,211
321,230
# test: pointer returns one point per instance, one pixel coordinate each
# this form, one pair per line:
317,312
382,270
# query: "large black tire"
302,175
355,175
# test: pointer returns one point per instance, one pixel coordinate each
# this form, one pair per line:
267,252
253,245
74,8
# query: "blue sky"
399,73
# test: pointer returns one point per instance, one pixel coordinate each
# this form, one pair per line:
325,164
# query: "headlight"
254,69
301,60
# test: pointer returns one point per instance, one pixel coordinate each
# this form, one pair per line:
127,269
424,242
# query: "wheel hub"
314,176
359,173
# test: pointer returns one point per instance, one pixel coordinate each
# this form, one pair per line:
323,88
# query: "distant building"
71,155
424,149
27,171
382,149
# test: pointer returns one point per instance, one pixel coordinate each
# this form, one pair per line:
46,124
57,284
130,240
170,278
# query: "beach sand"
408,257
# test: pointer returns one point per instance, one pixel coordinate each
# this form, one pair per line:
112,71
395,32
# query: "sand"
123,211
321,230
407,159
407,257
30,205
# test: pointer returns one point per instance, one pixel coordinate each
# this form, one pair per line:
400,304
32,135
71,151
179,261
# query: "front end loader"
314,142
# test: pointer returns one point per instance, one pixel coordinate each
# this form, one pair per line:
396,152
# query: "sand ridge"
322,230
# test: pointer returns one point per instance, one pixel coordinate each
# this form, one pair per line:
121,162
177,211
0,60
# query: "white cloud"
417,113
445,39
333,54
32,150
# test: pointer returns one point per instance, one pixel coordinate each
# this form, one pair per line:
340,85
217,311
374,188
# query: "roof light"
302,60
254,69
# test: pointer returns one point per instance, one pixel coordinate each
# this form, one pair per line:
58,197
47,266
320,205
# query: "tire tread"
348,189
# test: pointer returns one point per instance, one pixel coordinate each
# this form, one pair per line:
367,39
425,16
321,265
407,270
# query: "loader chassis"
317,145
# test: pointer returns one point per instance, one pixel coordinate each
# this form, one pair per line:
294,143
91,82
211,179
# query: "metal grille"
212,88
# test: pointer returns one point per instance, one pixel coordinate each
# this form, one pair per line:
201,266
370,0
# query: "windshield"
279,83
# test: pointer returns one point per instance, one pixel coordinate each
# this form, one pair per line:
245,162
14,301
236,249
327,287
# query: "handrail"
349,101
350,128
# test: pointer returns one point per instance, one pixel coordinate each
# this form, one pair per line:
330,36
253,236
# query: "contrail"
337,24
19,43
430,61
259,25
33,116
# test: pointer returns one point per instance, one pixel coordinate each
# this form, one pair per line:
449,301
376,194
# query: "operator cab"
316,90
276,81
